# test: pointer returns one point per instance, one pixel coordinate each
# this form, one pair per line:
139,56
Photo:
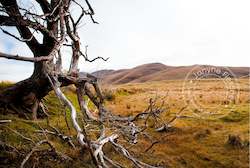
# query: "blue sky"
173,32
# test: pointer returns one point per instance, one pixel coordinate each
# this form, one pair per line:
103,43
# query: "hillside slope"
159,72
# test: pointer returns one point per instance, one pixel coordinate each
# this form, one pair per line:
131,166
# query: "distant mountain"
102,73
159,72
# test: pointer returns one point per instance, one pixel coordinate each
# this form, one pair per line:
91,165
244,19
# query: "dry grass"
194,142
197,142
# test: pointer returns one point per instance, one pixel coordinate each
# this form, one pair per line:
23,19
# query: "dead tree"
59,28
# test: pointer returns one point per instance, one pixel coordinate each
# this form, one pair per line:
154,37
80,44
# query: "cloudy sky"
173,32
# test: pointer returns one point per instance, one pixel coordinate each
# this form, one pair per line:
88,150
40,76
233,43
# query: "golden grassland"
199,140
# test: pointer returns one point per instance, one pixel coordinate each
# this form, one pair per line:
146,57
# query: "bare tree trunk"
24,97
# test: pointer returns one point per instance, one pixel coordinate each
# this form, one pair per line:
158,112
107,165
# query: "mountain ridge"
158,72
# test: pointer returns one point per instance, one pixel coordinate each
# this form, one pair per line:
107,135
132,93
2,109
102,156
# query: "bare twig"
126,153
29,59
17,38
168,124
85,56
5,121
59,134
35,148
151,146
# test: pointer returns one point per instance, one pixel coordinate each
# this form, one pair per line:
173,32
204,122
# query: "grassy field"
198,140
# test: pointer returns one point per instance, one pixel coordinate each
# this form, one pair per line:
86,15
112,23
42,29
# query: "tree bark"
24,97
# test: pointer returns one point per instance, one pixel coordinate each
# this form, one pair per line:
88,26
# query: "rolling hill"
158,72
